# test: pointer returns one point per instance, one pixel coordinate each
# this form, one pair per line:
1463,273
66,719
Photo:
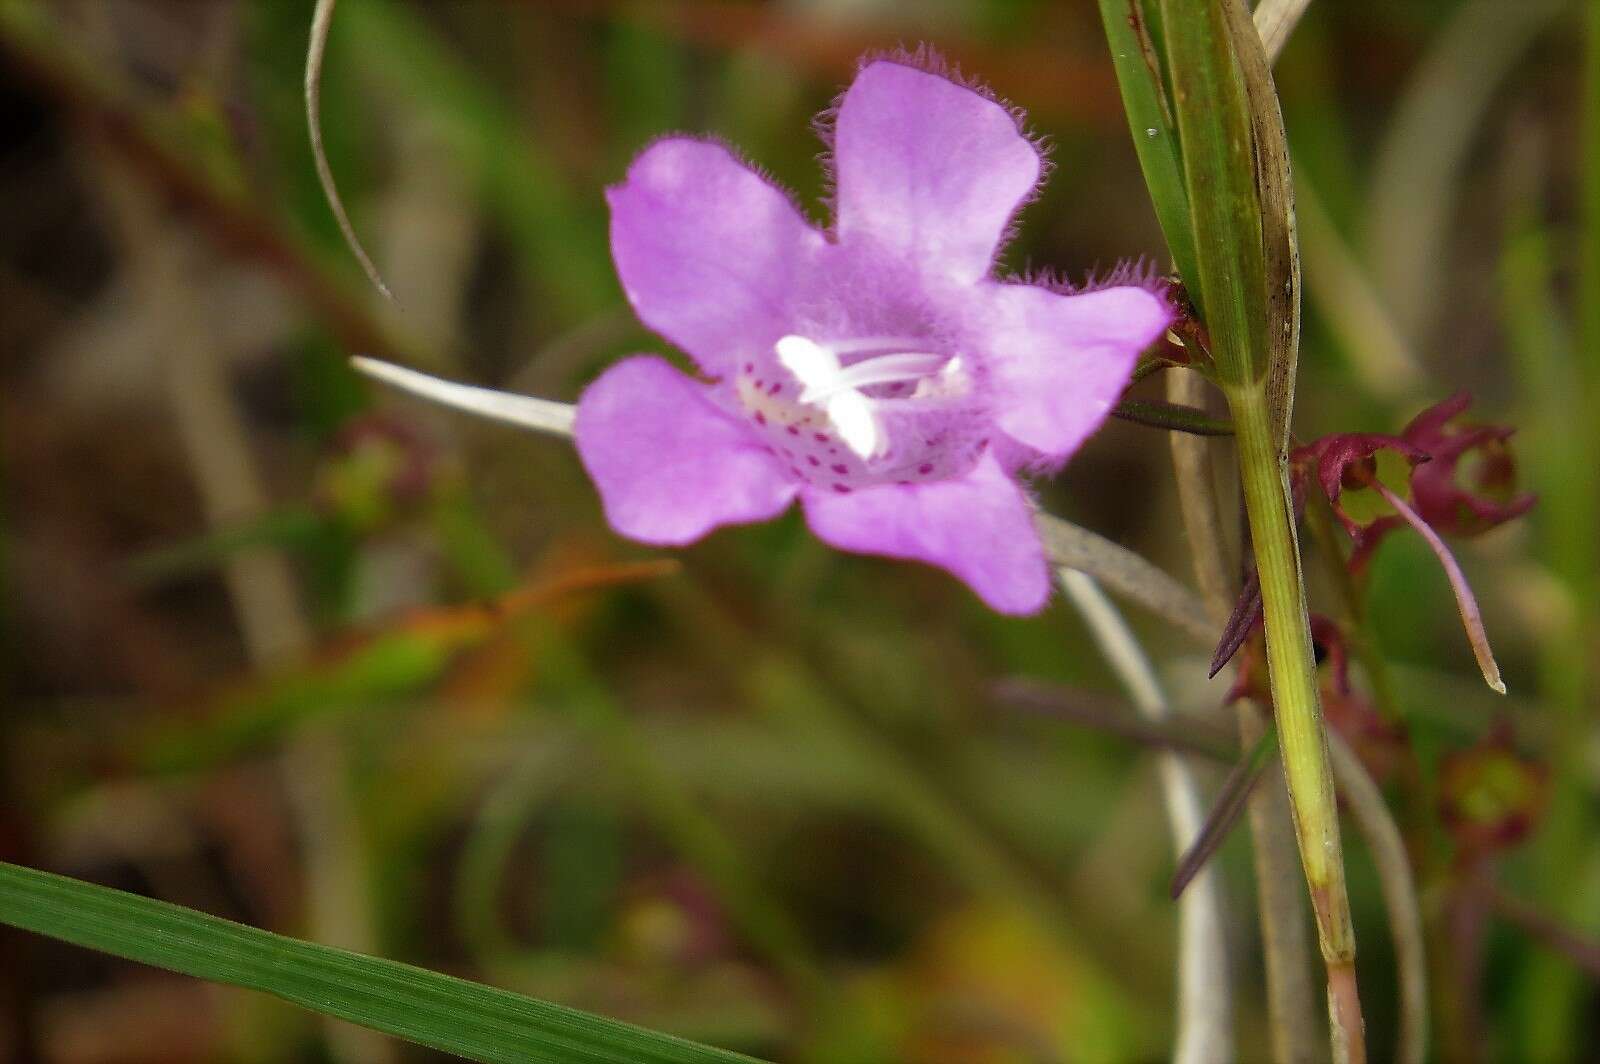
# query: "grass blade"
468,1019
1155,138
1174,417
1236,789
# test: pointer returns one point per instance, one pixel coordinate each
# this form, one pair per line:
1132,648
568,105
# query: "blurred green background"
763,796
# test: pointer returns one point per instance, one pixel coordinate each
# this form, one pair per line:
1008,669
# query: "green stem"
1292,669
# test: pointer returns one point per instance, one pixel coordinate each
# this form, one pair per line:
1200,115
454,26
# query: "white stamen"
810,362
854,421
838,388
885,369
886,344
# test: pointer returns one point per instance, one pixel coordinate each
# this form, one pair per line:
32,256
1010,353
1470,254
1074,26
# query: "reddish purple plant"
878,370
1432,449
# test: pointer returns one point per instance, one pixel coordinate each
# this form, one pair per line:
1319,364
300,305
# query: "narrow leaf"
1246,614
321,22
1219,168
1104,715
1155,138
1225,813
1280,242
1175,417
1124,572
453,1015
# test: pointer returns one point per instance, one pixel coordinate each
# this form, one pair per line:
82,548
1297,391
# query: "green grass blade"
1213,119
468,1019
1150,121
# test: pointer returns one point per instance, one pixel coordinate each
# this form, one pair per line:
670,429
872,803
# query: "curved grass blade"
468,1019
321,22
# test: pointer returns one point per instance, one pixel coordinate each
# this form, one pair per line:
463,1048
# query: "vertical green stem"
1292,669
1226,136
1280,904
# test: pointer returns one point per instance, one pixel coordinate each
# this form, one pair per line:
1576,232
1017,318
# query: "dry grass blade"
321,21
1126,573
1275,20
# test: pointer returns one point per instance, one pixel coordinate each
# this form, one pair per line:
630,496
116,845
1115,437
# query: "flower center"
855,413
839,389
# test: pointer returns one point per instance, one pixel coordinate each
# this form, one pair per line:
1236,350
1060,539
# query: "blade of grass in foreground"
468,1019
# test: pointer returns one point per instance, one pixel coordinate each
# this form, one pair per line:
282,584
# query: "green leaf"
1214,123
468,1019
1175,417
1155,138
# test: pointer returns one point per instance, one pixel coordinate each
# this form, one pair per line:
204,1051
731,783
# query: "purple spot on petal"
819,437
774,388
925,468
793,431
813,459
841,469
761,419
749,367
841,489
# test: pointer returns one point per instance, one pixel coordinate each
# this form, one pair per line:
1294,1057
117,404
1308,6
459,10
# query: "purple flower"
877,371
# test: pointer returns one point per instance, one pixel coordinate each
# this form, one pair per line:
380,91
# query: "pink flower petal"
978,527
670,465
929,169
708,250
1058,363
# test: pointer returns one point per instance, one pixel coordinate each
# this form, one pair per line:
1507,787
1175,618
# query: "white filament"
884,369
837,388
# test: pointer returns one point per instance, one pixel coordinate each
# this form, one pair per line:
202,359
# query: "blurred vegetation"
373,674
